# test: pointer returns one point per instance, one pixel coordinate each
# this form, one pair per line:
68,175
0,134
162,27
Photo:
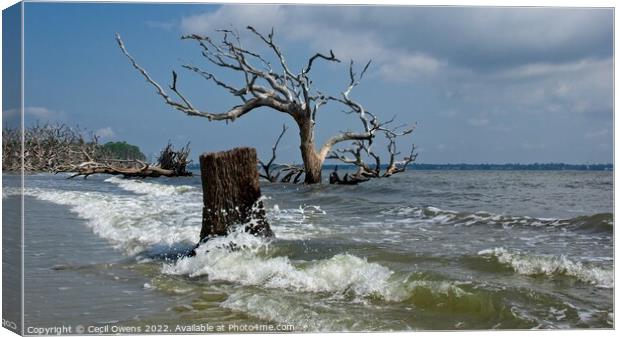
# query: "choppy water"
420,250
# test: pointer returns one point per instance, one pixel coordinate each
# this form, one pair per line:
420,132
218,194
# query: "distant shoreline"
483,167
514,167
452,167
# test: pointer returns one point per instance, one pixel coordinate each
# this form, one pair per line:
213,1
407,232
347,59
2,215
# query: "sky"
481,84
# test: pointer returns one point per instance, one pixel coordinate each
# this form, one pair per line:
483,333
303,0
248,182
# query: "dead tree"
269,167
278,88
47,147
11,149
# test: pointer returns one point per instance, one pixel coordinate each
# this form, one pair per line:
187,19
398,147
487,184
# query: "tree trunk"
313,163
231,193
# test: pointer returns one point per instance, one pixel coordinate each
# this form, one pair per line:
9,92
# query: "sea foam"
246,266
134,223
552,265
157,214
148,188
599,222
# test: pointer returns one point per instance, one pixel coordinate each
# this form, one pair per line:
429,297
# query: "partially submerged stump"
231,193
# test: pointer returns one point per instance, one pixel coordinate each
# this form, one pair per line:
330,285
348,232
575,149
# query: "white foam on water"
339,274
297,223
323,281
11,192
148,188
552,265
133,223
436,216
157,214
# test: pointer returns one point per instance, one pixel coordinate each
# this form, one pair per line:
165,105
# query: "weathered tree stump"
231,193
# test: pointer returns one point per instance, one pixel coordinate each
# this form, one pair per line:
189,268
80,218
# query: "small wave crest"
155,189
602,222
551,265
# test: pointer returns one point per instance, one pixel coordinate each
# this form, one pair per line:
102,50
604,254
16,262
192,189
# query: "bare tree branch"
331,57
267,169
186,106
366,171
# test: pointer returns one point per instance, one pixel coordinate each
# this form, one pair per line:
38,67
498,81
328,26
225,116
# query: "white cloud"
40,112
405,67
262,17
546,69
309,25
530,64
583,87
106,132
35,112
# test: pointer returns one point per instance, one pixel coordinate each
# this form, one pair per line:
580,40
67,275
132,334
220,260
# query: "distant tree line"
122,150
514,167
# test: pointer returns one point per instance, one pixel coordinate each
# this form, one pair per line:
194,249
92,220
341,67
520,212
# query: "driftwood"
144,170
175,160
231,193
170,163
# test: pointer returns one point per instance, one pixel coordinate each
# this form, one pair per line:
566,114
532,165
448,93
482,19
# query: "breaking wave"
340,277
340,274
551,266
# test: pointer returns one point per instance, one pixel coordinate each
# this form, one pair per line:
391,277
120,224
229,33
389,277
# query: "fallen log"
231,193
129,170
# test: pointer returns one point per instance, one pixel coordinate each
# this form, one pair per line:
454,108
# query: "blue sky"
484,85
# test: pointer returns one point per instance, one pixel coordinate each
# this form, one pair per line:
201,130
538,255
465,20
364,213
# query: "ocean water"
421,250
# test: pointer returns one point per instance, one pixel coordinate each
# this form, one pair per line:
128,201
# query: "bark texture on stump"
231,193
